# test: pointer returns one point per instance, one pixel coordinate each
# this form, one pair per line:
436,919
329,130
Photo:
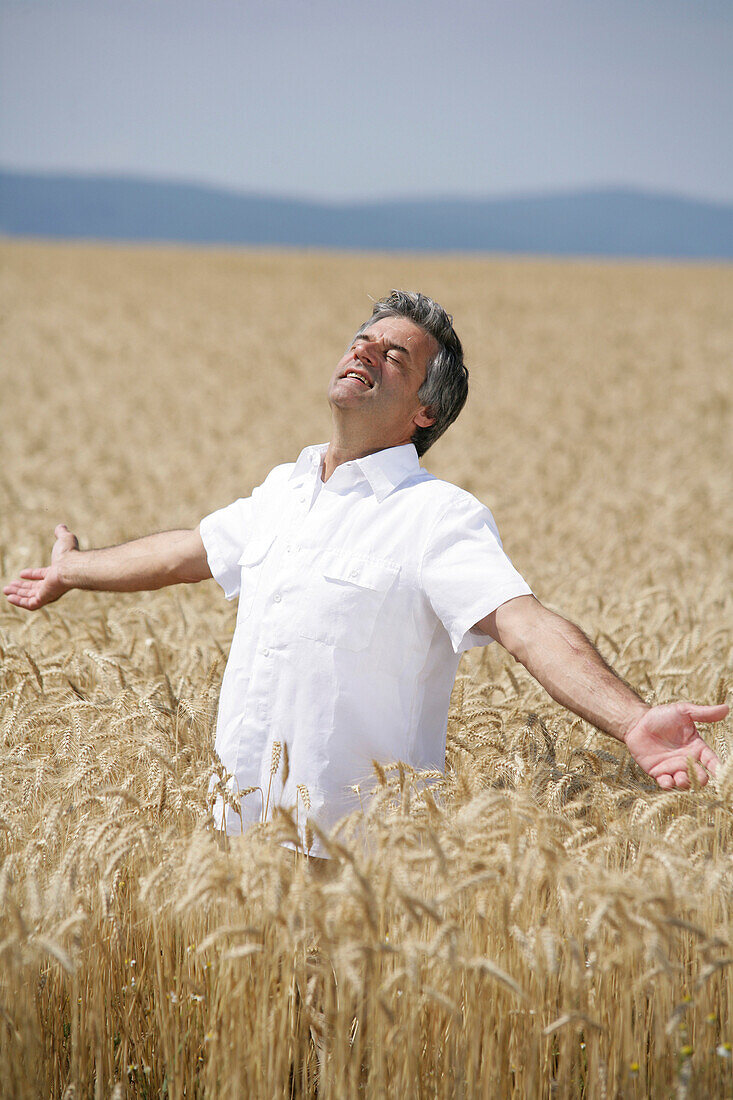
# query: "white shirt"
356,598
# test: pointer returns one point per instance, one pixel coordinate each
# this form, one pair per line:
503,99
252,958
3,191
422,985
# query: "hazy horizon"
388,197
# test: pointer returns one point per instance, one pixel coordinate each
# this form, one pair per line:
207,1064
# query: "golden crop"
543,922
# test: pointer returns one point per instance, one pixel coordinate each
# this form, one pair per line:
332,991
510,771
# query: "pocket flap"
377,575
256,550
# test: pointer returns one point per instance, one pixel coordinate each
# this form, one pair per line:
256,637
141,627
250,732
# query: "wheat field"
542,922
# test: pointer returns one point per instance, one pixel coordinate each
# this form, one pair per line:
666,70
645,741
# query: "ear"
423,419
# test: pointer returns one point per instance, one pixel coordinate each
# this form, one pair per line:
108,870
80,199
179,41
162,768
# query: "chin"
343,397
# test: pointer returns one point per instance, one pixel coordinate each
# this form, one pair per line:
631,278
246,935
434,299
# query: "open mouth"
359,377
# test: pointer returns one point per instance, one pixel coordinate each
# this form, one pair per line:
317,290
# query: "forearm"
170,557
571,670
663,740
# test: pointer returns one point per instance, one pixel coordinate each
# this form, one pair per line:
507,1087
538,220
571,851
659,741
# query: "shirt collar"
384,470
309,458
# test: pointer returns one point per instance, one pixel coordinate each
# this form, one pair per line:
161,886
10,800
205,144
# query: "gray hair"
445,388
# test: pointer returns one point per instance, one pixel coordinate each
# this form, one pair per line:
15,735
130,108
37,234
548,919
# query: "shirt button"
265,653
354,574
277,598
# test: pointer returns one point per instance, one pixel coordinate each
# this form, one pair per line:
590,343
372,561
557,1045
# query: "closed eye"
395,353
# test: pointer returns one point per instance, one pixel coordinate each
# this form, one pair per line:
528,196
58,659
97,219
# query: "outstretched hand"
37,587
665,738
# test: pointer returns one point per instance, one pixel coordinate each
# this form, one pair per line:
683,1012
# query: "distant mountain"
605,222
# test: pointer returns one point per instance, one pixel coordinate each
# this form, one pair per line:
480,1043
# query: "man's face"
378,379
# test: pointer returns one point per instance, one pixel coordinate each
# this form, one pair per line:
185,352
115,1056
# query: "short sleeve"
465,573
224,535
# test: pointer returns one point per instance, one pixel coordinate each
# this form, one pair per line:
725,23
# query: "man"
361,579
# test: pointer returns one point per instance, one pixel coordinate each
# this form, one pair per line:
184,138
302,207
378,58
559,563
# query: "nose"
365,351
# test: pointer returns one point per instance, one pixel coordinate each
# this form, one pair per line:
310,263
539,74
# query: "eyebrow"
388,343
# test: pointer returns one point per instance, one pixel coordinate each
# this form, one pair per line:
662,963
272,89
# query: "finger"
61,531
694,769
33,574
21,586
709,760
676,773
29,603
17,587
704,713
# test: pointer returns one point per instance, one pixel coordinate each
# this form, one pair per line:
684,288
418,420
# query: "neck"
346,447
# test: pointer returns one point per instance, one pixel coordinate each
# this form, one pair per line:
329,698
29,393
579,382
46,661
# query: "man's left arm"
557,653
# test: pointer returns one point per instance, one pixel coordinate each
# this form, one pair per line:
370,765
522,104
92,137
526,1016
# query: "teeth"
359,377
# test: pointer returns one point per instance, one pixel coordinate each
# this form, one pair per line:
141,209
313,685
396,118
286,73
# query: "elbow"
190,564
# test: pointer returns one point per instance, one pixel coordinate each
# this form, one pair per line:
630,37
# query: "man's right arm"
170,557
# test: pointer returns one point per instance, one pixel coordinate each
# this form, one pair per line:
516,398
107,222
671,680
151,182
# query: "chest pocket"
251,563
344,599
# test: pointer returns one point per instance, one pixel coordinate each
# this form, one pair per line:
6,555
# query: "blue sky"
342,100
